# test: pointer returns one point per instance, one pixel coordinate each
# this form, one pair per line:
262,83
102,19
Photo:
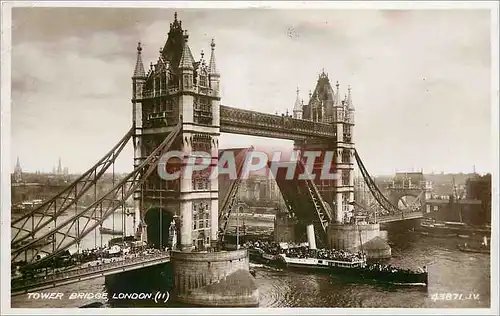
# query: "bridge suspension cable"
379,197
31,223
99,210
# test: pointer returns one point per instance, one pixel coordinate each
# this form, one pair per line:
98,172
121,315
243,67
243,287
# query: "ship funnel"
310,236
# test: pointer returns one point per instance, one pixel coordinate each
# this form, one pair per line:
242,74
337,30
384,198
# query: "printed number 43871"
454,296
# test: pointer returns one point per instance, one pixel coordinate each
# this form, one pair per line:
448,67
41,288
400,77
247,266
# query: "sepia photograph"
289,155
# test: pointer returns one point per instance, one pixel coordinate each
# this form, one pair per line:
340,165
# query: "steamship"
358,269
435,228
109,231
355,267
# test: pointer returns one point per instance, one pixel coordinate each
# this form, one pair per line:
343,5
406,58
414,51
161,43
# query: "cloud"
420,79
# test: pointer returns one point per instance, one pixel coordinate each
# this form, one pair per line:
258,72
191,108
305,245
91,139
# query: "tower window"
202,111
201,180
187,81
347,133
346,155
203,79
345,177
202,142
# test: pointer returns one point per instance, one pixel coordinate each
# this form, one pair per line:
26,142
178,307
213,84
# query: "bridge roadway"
126,263
400,217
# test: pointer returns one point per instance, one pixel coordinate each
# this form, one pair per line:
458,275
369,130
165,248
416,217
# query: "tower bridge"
409,190
177,106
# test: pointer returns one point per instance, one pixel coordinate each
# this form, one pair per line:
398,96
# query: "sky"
420,79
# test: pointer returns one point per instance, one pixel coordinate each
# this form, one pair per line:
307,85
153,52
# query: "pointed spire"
139,67
298,105
187,59
202,59
336,101
349,98
213,67
59,167
18,164
176,25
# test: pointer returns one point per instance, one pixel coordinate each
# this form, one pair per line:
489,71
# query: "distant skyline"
420,79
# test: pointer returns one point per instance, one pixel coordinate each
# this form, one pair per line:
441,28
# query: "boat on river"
465,248
351,266
109,231
483,248
258,255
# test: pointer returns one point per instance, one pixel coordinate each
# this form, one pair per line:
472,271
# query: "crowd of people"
328,254
392,269
269,247
303,251
88,257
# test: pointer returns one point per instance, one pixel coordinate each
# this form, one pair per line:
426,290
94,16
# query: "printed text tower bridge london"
177,106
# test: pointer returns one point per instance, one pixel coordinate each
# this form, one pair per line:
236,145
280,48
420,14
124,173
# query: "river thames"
450,272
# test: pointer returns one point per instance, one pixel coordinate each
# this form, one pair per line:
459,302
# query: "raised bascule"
177,106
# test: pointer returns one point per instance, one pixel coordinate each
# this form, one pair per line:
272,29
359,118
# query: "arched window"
346,155
345,178
203,79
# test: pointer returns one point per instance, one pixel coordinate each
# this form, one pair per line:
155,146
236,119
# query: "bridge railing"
399,217
80,271
405,186
230,115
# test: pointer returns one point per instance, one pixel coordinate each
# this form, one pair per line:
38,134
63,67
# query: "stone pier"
216,279
353,238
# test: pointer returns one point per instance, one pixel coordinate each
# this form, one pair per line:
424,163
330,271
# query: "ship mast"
455,198
360,240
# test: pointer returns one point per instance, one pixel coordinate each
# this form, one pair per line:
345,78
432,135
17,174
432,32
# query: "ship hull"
353,272
107,231
258,257
447,230
474,250
365,274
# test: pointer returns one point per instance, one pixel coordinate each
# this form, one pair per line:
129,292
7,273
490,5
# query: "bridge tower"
343,232
178,90
409,191
182,213
326,105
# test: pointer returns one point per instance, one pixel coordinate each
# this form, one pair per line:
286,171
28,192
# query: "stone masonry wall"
194,270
